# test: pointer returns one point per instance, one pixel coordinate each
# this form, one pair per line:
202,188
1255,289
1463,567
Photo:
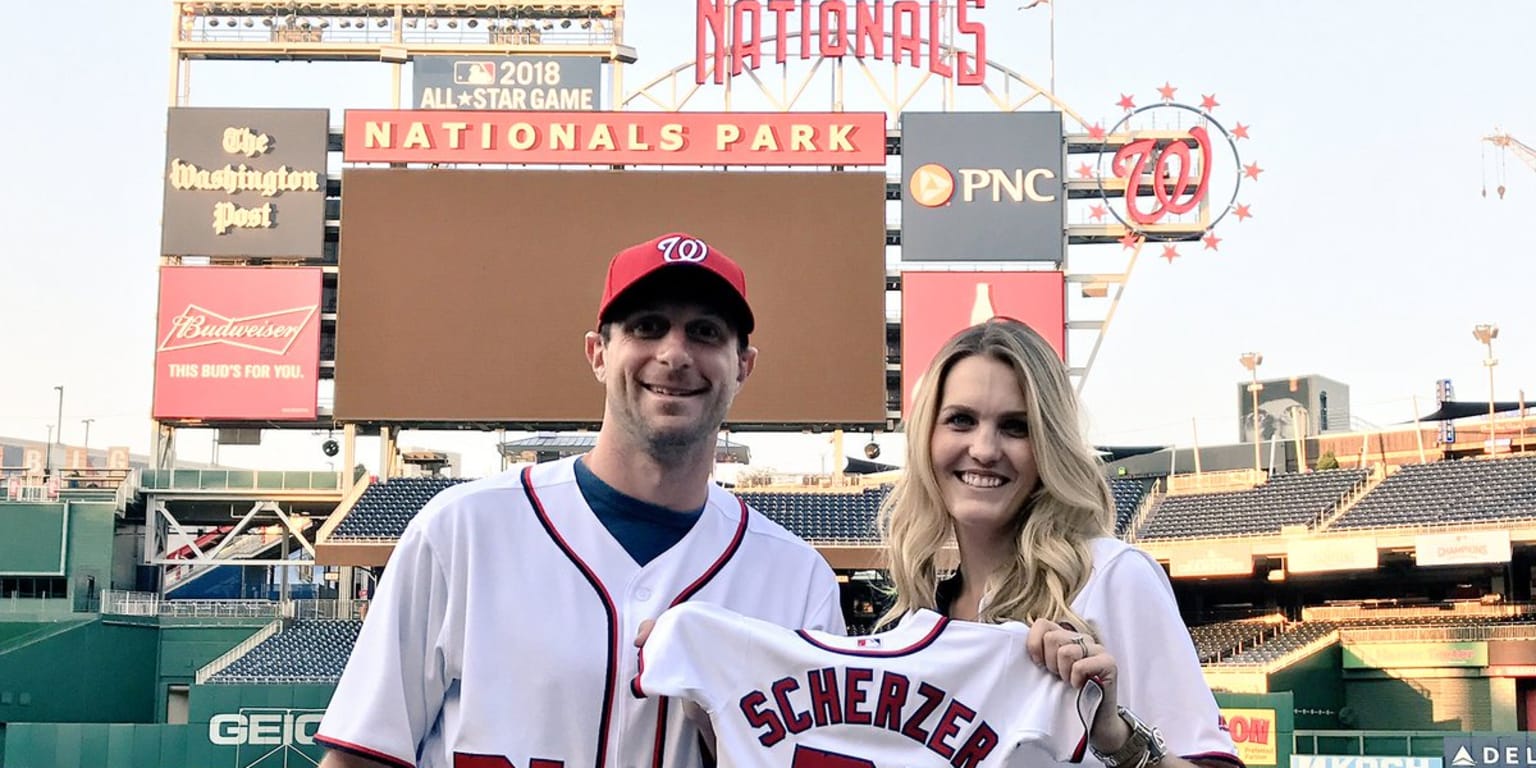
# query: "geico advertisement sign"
269,728
932,185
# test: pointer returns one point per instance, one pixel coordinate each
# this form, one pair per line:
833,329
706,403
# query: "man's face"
670,370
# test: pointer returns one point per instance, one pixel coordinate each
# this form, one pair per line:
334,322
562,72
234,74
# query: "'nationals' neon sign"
732,35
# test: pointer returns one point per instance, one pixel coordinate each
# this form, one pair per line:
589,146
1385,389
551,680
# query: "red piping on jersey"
927,640
610,680
362,751
1224,757
660,748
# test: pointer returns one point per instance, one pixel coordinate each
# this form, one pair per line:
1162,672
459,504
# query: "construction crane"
1506,143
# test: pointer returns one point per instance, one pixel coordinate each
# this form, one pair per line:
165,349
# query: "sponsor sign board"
982,186
268,737
522,83
245,182
937,305
1464,548
1405,655
615,138
1325,554
237,343
1213,559
1364,761
1489,750
1255,732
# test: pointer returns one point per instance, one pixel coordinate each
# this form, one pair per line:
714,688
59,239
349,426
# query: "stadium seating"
1128,495
1448,493
823,517
384,509
1287,499
1215,642
306,651
1293,637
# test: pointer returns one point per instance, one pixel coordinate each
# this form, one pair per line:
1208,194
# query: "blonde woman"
997,463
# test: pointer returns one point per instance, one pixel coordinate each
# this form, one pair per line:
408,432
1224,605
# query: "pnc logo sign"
932,185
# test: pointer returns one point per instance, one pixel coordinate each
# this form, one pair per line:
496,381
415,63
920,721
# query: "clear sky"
1370,257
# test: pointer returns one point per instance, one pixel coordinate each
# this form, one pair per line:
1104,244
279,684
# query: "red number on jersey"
810,757
465,760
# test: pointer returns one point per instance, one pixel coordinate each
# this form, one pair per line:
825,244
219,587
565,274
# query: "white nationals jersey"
502,633
1130,603
928,693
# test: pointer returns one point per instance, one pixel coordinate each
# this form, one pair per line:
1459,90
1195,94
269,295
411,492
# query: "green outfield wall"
229,726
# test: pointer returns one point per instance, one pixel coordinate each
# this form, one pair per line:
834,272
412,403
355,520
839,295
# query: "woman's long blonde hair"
1070,506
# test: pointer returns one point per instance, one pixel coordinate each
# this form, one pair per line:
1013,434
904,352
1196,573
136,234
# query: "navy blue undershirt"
645,530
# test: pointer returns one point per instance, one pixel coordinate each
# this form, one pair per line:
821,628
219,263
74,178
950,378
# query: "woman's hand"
1076,659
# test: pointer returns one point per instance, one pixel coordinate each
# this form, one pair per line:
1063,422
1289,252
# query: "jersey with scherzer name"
502,632
928,693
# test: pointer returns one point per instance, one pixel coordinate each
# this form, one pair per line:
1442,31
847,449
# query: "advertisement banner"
1205,560
1489,750
522,83
937,305
1255,732
1465,653
237,343
983,187
615,138
1321,555
1364,761
245,182
1462,548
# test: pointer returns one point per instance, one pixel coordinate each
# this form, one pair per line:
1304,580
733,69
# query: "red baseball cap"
676,261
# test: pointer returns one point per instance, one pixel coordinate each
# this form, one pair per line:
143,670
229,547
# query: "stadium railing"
1367,743
1465,608
120,603
152,480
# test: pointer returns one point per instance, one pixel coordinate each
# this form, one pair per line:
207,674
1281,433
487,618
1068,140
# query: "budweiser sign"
272,332
732,35
243,361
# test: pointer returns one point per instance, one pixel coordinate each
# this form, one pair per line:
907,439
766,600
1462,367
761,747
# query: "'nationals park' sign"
731,35
615,138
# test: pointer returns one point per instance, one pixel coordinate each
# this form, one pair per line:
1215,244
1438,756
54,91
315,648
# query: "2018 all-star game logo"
1170,172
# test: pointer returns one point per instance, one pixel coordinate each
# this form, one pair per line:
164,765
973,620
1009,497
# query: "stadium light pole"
1252,361
59,436
87,444
1486,333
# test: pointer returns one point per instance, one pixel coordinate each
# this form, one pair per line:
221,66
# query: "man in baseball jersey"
501,634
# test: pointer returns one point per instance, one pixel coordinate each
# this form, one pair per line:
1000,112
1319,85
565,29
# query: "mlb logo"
869,642
474,72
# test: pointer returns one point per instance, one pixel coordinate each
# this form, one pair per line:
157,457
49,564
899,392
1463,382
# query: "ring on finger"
1083,644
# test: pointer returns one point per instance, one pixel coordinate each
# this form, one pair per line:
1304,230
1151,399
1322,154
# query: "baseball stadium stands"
823,517
384,509
307,651
1447,493
1286,499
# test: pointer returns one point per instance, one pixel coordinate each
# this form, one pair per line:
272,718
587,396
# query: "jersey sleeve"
688,652
393,686
1050,715
825,612
1160,678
